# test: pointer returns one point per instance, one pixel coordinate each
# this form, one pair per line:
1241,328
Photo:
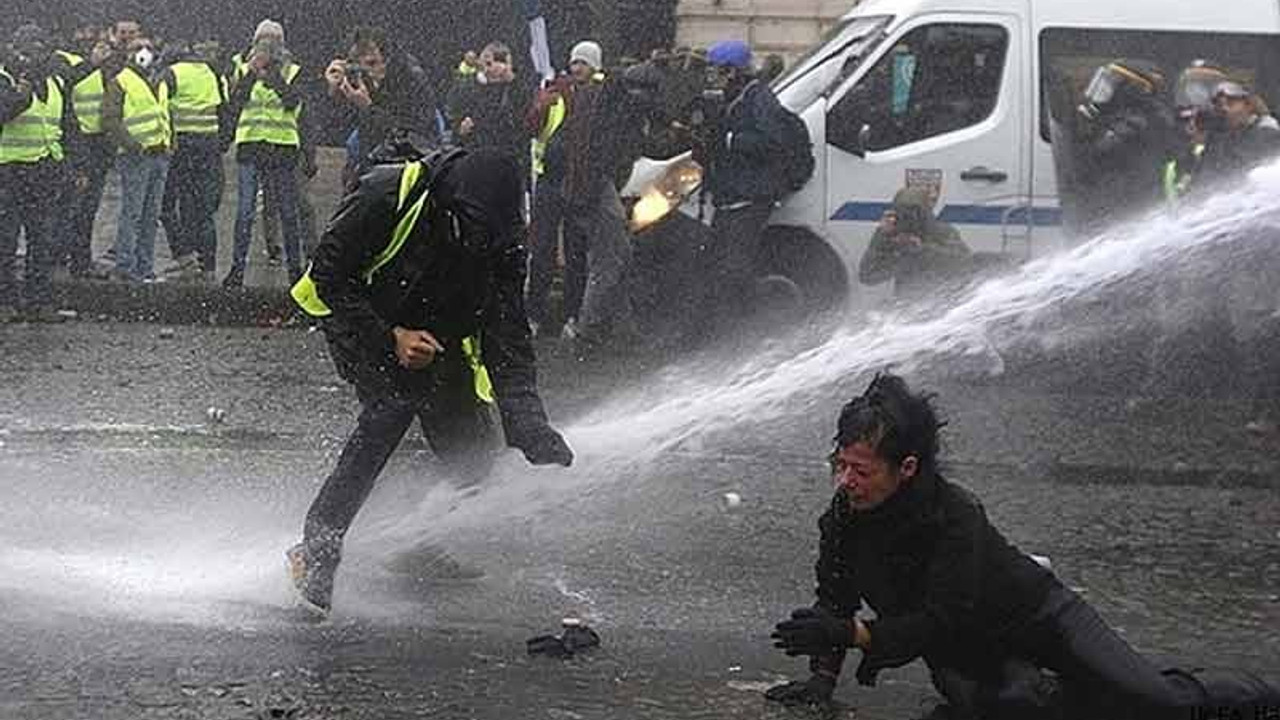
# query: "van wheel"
800,275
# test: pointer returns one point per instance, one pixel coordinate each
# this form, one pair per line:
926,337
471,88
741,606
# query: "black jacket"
497,109
937,573
403,104
749,148
1229,155
461,273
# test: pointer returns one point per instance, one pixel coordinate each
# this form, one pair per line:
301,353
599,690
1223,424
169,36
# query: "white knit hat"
268,28
587,52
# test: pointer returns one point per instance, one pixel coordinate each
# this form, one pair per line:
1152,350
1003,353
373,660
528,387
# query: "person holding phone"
914,249
489,111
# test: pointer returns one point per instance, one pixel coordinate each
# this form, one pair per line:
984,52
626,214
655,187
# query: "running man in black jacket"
420,279
948,588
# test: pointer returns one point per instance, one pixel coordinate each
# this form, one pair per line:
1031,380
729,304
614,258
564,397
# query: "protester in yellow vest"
32,121
197,102
90,155
568,102
136,114
267,104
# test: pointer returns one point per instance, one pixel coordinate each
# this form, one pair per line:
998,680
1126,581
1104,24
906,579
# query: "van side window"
1069,56
936,79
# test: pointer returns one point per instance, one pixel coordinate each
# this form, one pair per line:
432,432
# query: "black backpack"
796,164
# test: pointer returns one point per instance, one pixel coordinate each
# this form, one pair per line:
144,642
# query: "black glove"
542,445
817,690
812,631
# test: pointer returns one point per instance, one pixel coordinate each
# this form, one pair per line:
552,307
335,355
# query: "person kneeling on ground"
947,587
418,282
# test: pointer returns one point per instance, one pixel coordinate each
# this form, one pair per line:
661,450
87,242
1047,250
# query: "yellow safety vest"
71,58
307,295
86,102
265,119
36,134
555,118
198,98
146,110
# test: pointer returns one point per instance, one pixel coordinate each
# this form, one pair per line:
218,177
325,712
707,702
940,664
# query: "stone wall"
787,27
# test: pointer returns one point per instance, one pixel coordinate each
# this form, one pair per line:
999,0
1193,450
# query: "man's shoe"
233,280
47,315
570,330
182,265
312,579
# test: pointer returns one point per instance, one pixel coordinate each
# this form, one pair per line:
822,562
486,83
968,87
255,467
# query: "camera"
356,74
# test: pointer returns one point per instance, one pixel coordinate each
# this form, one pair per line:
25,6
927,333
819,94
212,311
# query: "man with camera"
33,116
383,93
267,101
488,112
915,250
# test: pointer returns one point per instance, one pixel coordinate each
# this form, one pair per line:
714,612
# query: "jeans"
458,426
549,215
192,197
276,173
94,158
606,307
142,180
28,202
306,219
1101,674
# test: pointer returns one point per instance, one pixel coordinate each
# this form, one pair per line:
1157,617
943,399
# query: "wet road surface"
141,566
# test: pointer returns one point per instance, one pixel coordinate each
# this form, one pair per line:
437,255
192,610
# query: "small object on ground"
216,415
732,499
1043,561
68,314
575,637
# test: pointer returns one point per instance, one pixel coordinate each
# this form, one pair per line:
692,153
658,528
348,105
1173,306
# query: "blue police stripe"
957,214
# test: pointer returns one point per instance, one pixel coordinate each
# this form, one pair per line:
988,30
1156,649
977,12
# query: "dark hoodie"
939,576
461,273
916,271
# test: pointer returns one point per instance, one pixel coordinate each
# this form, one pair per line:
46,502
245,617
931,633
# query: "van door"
943,106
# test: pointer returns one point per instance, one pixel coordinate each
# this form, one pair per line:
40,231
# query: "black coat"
749,149
938,574
1229,155
403,104
461,273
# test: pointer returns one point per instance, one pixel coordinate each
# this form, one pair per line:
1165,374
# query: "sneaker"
1261,426
183,265
570,330
312,580
46,315
534,329
234,279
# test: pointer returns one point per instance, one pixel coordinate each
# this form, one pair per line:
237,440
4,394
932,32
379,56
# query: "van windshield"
826,62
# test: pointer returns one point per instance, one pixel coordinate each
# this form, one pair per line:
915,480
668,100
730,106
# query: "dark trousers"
549,216
192,197
1101,675
274,171
93,159
458,427
732,259
29,194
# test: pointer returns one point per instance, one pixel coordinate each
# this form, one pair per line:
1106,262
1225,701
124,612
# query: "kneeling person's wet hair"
894,421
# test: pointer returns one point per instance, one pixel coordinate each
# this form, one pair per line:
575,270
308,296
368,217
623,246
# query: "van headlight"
665,194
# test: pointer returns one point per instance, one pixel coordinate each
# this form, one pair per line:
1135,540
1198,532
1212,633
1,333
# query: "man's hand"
336,75
416,349
542,445
813,631
889,222
466,127
817,690
357,95
908,241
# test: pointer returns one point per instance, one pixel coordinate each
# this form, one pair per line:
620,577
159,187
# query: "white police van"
954,94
